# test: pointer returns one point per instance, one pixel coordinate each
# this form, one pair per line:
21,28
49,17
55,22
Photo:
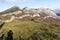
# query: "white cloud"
10,0
18,0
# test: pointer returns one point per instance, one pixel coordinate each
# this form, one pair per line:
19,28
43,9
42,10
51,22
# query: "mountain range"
26,13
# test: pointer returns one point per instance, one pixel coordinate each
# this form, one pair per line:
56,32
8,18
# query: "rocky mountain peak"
16,13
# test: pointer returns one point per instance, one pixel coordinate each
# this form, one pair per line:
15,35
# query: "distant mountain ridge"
58,14
57,11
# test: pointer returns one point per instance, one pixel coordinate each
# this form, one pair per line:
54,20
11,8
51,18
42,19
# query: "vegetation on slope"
13,9
29,30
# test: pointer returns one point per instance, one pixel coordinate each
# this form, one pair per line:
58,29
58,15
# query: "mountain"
38,14
12,9
29,24
58,14
57,11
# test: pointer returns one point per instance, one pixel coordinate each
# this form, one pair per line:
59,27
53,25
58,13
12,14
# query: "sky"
52,4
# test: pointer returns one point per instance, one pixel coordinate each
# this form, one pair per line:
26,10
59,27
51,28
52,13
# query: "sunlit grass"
25,29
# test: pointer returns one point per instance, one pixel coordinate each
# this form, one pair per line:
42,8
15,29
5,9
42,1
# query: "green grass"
29,29
12,9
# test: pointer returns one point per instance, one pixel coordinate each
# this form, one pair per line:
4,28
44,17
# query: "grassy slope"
25,29
12,9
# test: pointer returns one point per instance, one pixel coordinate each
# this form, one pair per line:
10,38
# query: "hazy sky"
53,4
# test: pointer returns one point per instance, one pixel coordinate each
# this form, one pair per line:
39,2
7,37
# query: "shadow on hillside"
34,36
2,37
9,35
2,25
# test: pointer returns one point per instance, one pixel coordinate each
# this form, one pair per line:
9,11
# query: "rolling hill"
29,24
29,30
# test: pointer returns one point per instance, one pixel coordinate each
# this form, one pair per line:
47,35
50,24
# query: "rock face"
47,11
28,14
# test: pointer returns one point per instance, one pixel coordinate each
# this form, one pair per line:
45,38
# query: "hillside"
26,13
29,24
30,30
10,10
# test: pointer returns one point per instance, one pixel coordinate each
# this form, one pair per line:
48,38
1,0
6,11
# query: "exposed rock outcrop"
26,13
